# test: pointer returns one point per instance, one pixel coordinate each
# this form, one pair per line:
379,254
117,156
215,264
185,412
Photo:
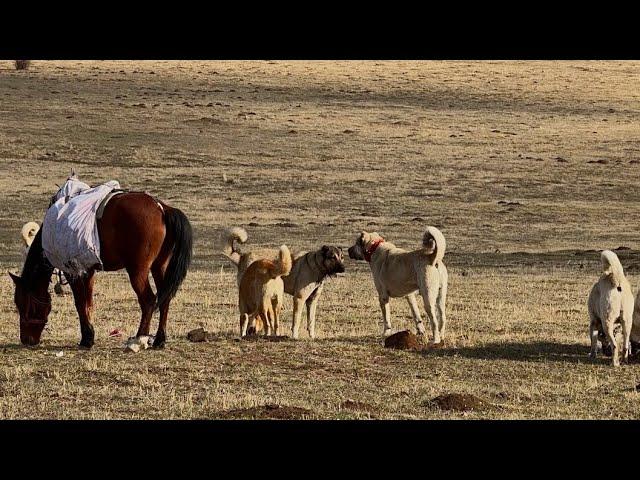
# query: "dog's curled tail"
28,232
612,267
282,266
434,244
231,235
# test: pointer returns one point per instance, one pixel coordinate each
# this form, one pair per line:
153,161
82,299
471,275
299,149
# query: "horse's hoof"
159,344
86,345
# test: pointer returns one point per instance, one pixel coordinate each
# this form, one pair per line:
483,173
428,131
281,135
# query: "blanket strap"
106,199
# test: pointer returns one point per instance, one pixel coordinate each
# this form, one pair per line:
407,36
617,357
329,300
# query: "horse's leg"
158,277
139,279
82,288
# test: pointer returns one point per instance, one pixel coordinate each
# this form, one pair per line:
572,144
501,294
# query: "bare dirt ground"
528,168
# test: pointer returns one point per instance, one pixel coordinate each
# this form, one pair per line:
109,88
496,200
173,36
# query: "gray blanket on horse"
70,231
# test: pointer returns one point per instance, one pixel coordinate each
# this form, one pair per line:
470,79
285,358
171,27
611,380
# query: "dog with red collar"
401,273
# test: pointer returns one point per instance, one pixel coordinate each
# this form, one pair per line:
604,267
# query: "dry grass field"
528,168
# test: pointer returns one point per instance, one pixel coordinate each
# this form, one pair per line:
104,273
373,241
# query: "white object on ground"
135,344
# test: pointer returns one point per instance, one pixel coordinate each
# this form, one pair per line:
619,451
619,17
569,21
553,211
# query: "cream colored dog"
305,281
262,291
28,232
611,301
399,273
635,329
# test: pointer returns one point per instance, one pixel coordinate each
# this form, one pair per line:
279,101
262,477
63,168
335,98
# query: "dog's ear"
326,249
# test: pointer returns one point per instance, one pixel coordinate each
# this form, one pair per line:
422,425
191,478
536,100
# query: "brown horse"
137,233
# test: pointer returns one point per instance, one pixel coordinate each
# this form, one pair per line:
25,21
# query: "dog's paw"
387,332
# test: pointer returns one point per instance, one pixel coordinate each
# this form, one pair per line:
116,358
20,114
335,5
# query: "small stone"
197,335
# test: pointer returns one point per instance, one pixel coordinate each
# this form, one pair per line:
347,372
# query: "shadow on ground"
528,352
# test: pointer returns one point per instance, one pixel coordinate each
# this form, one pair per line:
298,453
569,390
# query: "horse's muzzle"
30,334
29,340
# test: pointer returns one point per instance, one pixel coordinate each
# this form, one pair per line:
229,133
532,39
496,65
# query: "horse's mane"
36,266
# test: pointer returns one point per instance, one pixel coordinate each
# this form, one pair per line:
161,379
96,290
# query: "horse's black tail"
179,228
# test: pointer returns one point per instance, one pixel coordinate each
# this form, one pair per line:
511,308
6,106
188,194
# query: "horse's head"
33,309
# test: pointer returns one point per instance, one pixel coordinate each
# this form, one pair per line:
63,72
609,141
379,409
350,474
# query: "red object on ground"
115,333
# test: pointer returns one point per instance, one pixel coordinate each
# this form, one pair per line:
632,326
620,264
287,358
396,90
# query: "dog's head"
363,242
332,259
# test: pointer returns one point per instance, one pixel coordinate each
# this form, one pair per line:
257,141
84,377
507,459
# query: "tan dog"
306,280
399,273
611,301
635,329
261,291
28,233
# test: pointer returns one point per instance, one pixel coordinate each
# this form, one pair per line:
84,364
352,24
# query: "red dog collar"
372,249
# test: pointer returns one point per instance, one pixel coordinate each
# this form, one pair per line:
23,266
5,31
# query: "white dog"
399,273
611,301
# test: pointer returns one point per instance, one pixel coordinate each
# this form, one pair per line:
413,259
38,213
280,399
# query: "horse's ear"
16,279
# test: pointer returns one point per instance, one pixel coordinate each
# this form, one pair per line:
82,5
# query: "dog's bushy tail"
282,266
28,232
235,234
612,267
434,244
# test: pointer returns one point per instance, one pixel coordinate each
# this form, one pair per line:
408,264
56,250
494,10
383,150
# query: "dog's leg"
627,321
429,285
442,299
593,335
253,324
312,306
297,314
608,325
267,322
244,322
274,311
386,315
415,311
430,297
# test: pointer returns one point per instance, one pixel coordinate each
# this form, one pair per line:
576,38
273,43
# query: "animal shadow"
525,352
